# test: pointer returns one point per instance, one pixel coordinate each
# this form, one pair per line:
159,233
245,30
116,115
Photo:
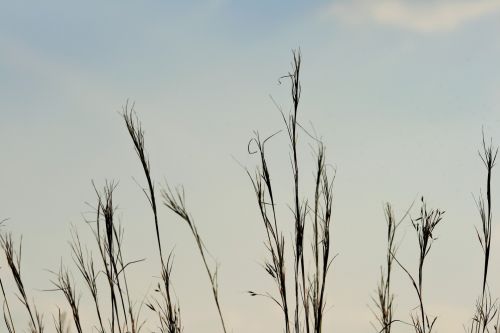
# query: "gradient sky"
399,91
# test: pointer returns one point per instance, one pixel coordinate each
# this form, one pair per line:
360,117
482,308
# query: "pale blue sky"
399,91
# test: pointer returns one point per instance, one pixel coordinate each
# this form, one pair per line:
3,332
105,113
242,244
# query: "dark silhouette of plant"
176,202
385,297
60,322
275,242
302,305
170,317
7,315
424,227
486,308
65,284
86,266
309,287
13,258
322,214
109,239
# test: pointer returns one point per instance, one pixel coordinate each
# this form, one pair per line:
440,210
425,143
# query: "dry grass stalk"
167,311
65,284
14,262
299,208
424,227
7,315
385,297
60,322
176,202
485,309
171,311
109,237
309,287
275,242
86,266
322,214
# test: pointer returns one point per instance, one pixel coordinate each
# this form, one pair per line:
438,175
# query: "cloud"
418,16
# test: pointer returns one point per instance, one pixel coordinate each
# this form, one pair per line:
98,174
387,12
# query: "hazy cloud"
419,16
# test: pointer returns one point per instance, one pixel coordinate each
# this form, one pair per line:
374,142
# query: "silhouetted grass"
486,308
301,295
424,227
309,286
384,299
167,309
13,258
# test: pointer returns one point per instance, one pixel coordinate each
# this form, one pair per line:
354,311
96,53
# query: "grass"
300,274
308,301
424,227
486,309
384,299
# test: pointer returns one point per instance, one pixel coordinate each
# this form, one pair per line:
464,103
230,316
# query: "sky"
399,91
